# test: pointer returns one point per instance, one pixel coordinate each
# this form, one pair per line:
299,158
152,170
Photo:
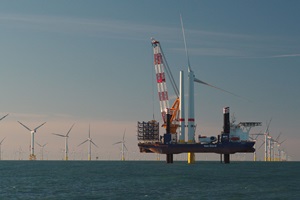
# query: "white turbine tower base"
32,156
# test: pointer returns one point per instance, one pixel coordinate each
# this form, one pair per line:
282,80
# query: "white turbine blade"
70,130
185,46
83,143
59,135
44,145
260,145
3,117
38,144
268,125
25,126
278,137
118,142
2,140
39,126
125,147
94,144
282,142
204,83
89,131
124,134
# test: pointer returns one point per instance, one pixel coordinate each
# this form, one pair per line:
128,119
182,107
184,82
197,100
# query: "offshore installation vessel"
233,139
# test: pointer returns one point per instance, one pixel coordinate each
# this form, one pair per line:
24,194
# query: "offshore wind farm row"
268,147
33,142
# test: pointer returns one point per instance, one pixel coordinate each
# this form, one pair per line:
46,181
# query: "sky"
91,62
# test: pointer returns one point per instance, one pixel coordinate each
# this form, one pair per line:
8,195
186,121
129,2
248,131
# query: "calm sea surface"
148,180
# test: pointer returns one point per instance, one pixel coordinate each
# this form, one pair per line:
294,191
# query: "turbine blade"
204,83
44,145
39,126
124,134
185,46
70,129
94,144
38,144
25,126
278,137
82,143
282,142
268,125
59,135
117,143
260,145
89,131
2,140
125,147
3,117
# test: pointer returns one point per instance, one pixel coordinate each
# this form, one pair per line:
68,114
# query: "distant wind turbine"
32,132
66,141
90,144
0,148
123,146
2,139
42,147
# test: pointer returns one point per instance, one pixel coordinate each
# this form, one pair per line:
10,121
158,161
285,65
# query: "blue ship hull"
219,148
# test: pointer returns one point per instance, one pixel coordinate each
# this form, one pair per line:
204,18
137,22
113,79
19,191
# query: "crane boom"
160,65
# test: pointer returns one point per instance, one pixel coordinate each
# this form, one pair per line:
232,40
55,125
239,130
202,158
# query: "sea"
149,180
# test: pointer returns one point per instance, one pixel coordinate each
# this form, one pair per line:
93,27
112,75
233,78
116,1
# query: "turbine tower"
42,147
2,139
90,144
123,146
66,141
32,156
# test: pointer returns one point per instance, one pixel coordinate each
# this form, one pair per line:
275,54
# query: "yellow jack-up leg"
191,158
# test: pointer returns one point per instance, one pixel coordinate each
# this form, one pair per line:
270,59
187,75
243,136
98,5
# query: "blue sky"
91,62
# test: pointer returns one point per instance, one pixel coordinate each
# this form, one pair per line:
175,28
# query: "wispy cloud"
212,51
92,27
200,42
285,55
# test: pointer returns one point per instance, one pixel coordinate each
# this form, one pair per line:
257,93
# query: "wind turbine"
32,132
66,141
267,143
123,146
255,140
191,107
42,147
0,148
3,138
90,144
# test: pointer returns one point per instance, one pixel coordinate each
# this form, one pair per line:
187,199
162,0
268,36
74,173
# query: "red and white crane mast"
161,66
160,79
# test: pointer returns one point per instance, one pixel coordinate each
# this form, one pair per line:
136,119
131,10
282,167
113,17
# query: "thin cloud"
285,55
212,51
92,27
212,43
106,27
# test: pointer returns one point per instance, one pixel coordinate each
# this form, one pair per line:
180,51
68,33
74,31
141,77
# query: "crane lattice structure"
161,66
